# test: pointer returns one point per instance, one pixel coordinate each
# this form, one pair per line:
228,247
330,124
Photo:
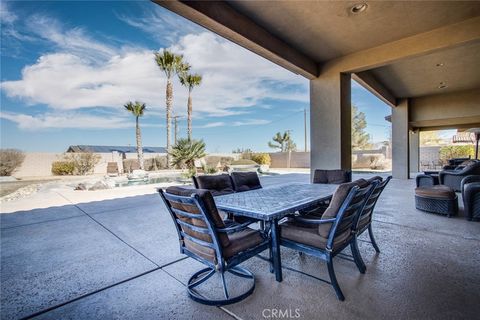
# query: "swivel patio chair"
471,197
206,238
245,181
326,237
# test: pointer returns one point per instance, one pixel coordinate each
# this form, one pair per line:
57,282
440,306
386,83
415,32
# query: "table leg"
277,263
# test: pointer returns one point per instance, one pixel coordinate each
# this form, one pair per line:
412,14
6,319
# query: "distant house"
119,149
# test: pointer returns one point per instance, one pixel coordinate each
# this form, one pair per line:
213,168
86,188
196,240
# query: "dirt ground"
9,187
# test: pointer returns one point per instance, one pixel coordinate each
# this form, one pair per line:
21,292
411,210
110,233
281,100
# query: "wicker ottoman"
436,199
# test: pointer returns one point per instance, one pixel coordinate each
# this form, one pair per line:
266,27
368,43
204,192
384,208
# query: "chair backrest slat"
198,241
366,215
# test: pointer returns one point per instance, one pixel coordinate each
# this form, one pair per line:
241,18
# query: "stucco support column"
330,122
414,151
400,141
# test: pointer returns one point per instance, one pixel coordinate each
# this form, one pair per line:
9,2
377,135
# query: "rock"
81,186
99,185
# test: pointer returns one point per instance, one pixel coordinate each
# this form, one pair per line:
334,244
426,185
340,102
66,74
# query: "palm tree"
190,81
137,109
171,64
284,142
186,151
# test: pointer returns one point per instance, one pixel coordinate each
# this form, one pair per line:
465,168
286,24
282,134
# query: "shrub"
243,162
210,169
450,152
10,159
63,168
261,158
186,151
84,163
129,165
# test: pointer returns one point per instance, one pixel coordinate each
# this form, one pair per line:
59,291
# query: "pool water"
149,181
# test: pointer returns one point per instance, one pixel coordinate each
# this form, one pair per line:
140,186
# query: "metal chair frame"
330,252
221,265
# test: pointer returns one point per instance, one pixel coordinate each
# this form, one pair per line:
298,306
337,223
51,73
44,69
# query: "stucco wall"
297,160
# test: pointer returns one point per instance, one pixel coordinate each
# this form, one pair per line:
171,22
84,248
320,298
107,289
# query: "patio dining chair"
245,181
328,236
218,184
205,237
364,222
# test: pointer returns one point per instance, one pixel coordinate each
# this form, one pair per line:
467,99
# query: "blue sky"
67,68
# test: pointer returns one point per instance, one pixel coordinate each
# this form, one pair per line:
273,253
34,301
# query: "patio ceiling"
387,45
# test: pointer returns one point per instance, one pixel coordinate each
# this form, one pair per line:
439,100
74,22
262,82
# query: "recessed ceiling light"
359,7
442,85
441,64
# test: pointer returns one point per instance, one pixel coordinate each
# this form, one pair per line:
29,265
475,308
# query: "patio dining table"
271,204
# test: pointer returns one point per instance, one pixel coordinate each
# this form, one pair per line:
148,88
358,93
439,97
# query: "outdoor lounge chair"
453,178
205,237
326,237
245,181
471,197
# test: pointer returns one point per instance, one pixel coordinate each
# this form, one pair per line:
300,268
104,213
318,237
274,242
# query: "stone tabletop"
274,202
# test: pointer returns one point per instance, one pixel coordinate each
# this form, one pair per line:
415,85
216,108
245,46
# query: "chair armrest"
236,228
313,221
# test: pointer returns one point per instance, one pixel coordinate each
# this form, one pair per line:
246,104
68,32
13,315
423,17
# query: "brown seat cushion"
436,192
217,184
309,235
244,181
241,241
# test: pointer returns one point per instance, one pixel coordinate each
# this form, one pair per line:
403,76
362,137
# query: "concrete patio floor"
119,258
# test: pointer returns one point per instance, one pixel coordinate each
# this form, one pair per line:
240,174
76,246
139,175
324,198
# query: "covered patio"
419,57
120,259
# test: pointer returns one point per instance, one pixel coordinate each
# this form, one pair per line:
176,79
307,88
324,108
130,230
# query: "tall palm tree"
171,64
137,109
190,81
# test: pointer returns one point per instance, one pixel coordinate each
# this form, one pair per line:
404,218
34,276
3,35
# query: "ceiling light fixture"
359,7
442,85
441,64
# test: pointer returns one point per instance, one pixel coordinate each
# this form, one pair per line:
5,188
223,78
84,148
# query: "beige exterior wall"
453,109
297,160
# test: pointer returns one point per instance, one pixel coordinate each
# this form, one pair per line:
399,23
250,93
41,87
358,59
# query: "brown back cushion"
338,198
211,211
331,176
216,184
244,181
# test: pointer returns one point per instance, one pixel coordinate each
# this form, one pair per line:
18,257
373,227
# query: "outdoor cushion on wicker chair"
453,178
245,181
205,237
436,199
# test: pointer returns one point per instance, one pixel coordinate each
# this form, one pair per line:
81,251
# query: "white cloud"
69,120
83,73
213,125
251,122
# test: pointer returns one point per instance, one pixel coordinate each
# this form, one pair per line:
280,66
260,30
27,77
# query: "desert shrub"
210,169
129,165
243,162
186,151
10,159
450,152
189,173
161,162
261,158
225,161
84,163
63,168
247,155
